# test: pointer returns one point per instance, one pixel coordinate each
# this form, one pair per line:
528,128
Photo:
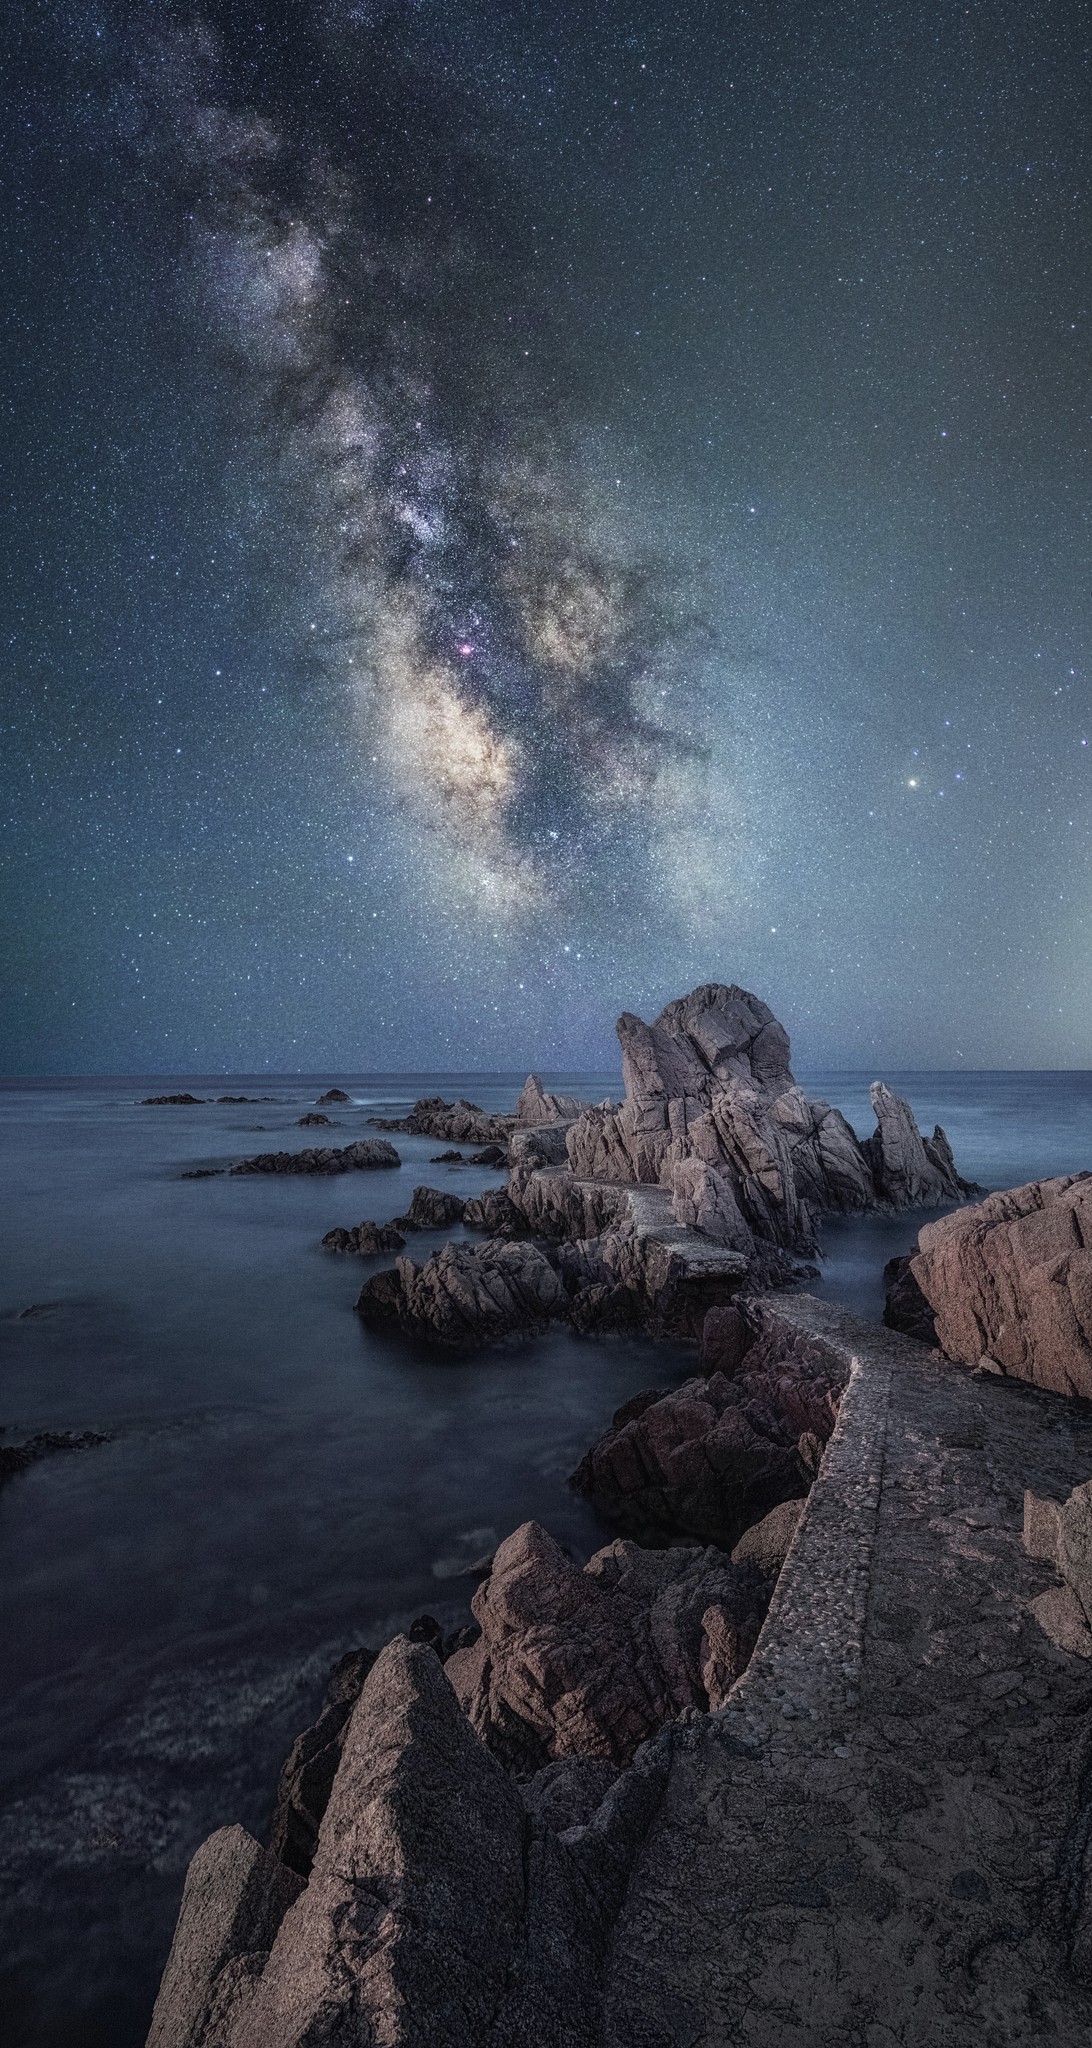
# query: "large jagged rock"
460,1122
705,1198
591,1662
555,1204
495,1212
690,1462
442,1906
363,1156
465,1294
1009,1283
911,1172
710,1080
829,1165
534,1105
235,1898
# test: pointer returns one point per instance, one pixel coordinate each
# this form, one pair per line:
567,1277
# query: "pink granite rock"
591,1662
1010,1280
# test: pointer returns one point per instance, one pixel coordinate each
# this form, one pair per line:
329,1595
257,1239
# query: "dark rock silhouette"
333,1095
366,1238
158,1101
362,1156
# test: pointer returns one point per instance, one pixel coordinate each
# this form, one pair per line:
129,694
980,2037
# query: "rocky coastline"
476,1831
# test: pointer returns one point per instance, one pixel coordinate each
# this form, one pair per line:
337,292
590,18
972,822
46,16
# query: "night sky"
511,511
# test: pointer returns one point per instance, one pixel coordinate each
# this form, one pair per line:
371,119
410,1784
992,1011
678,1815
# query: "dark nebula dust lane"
513,511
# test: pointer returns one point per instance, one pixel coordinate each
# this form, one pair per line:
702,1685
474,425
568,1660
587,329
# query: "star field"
511,513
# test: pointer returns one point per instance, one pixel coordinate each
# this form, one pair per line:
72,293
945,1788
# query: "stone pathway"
881,1842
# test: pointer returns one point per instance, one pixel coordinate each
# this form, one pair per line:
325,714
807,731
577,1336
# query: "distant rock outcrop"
535,1106
360,1157
1009,1283
333,1095
366,1238
159,1101
460,1123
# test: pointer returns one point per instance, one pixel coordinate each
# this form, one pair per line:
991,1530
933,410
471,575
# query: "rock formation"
466,1294
592,1662
711,1457
905,1307
441,1904
1009,1283
333,1095
158,1101
460,1123
534,1106
367,1238
365,1154
16,1457
314,1116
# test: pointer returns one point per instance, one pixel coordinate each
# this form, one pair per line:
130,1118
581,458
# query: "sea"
279,1483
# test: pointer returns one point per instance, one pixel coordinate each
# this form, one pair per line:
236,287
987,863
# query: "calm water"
280,1483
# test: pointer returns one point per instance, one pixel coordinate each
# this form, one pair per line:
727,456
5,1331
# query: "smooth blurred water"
280,1482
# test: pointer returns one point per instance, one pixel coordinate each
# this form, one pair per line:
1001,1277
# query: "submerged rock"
158,1101
365,1154
1009,1283
313,1116
592,1662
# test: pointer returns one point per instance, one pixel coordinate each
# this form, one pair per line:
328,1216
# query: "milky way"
510,663
514,512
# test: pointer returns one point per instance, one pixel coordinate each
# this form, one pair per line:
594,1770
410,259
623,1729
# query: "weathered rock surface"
442,1909
465,1294
362,1156
461,1122
432,1209
535,1106
366,1238
235,1899
711,1457
712,1112
911,1171
493,1211
592,1662
1009,1282
768,1543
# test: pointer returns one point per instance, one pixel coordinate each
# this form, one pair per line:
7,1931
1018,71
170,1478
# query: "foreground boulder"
1009,1283
440,1907
362,1156
592,1662
465,1294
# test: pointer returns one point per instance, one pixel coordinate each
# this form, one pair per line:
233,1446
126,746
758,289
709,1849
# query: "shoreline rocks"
15,1458
366,1238
363,1156
460,1123
1009,1283
464,1295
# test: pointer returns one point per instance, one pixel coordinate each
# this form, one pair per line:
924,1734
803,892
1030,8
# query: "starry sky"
510,511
